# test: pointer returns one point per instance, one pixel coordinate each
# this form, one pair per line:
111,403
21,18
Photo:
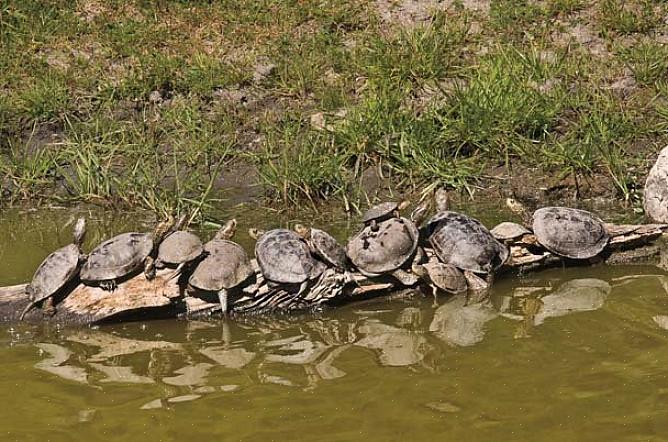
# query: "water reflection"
188,360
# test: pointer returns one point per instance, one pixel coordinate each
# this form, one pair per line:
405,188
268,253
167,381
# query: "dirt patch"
409,13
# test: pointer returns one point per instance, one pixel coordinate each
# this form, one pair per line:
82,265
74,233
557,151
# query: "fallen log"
139,299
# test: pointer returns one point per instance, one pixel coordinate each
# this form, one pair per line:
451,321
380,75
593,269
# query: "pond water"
564,354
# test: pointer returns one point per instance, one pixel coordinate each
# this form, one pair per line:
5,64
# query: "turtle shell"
380,211
54,272
568,232
284,257
328,248
507,231
226,266
446,277
180,247
385,249
656,189
117,257
465,243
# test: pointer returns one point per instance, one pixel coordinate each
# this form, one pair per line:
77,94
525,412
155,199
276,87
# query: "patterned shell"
380,211
465,243
447,277
180,247
507,231
384,250
328,248
117,257
54,272
572,233
284,257
226,266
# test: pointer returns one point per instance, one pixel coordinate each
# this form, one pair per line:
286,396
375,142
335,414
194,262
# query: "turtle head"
419,270
517,207
303,231
441,199
163,228
80,232
228,230
420,212
255,233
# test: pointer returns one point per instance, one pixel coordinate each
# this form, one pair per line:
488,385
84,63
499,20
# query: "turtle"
509,232
382,212
179,249
122,255
284,257
571,233
385,248
225,266
446,277
324,245
55,271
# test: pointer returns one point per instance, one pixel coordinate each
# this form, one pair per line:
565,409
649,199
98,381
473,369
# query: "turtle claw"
109,285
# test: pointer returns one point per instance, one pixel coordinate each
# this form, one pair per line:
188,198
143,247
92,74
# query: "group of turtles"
450,251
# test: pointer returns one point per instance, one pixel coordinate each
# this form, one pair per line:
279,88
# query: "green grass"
150,102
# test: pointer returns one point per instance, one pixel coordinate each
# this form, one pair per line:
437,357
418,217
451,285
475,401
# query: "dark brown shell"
568,232
380,211
284,257
328,248
386,249
54,272
446,277
180,247
117,257
226,266
465,243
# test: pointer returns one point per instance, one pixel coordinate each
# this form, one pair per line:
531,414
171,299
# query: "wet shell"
507,231
465,243
568,232
384,250
284,257
226,266
180,247
117,257
380,211
447,277
328,248
54,272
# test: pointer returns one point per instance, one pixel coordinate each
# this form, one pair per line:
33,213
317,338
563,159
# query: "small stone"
155,97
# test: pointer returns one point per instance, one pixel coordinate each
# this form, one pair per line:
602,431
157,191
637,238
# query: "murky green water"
577,354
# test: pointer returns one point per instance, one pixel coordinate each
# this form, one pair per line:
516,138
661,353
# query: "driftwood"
137,298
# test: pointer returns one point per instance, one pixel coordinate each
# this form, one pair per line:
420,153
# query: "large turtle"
179,249
55,271
225,266
122,255
572,233
285,258
324,245
383,211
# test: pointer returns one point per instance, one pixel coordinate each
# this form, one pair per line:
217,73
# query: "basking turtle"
55,271
285,258
324,245
225,267
122,255
441,276
572,233
509,232
179,249
383,211
386,248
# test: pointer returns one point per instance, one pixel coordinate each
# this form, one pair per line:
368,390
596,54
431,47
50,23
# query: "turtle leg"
27,309
177,272
149,268
48,307
406,278
108,285
434,292
222,298
303,287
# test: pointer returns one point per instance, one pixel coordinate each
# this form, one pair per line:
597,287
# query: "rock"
656,189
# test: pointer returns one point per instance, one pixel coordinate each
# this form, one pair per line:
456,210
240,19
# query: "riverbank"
175,106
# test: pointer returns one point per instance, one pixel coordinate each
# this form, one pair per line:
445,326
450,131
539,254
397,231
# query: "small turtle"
572,233
285,258
441,276
225,267
179,249
122,255
55,271
509,232
324,245
383,211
